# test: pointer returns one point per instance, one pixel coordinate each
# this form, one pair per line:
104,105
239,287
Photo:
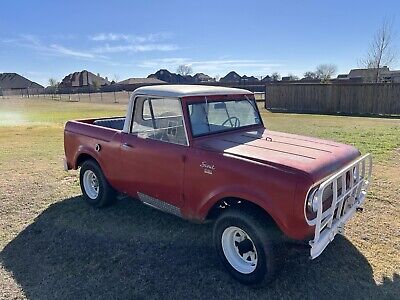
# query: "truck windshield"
210,117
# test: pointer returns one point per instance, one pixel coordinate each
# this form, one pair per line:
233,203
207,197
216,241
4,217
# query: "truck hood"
317,158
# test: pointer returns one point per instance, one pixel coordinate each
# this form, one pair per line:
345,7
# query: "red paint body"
271,169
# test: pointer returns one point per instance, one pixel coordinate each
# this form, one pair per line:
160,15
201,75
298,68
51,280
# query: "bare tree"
381,52
54,85
310,75
53,82
324,72
184,70
276,76
96,85
115,78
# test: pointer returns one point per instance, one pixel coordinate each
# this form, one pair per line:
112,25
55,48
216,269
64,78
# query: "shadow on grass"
132,251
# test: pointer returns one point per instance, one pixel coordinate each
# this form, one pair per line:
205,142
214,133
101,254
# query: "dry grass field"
54,246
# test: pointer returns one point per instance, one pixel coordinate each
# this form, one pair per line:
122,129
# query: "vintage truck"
203,153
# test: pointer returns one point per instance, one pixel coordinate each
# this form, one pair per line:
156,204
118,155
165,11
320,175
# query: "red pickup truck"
203,153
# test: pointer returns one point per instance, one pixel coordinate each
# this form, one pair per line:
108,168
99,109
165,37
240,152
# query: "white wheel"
239,250
247,245
95,188
91,184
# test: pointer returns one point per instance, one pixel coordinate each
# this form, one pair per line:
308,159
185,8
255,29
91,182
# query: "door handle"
126,146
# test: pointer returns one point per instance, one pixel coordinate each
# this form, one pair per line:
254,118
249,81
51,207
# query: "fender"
82,150
256,197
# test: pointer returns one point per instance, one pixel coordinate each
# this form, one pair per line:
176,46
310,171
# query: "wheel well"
239,204
82,158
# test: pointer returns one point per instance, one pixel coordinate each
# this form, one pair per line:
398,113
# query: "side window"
146,110
159,119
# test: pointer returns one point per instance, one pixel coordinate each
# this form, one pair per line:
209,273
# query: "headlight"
312,203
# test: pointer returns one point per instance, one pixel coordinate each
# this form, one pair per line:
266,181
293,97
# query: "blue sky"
43,39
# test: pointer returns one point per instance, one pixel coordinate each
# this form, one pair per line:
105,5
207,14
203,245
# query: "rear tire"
95,188
247,246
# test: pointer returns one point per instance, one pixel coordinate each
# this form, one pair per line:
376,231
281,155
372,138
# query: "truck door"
153,153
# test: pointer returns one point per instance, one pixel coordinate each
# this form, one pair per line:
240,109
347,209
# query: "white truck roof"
178,91
185,90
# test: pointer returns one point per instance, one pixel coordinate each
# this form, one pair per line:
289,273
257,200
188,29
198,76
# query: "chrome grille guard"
344,202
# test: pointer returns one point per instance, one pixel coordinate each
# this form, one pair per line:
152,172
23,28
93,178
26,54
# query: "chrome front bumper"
344,203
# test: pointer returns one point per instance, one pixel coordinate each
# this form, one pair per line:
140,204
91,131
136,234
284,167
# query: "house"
143,81
309,80
343,76
131,84
169,77
15,84
266,79
391,76
369,75
249,79
201,77
83,79
231,77
364,75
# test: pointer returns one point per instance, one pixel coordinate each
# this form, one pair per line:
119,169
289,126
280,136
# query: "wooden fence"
351,99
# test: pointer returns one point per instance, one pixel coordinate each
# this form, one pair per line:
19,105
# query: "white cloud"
135,48
69,52
108,37
132,43
127,43
33,42
112,37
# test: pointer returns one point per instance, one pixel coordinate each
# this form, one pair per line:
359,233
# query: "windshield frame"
222,98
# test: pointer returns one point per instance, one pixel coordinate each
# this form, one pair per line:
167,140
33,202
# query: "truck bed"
116,123
113,123
80,135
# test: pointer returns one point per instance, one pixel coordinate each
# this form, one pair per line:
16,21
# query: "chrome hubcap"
91,184
239,250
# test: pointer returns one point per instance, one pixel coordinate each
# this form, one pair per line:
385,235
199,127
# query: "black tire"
106,194
265,238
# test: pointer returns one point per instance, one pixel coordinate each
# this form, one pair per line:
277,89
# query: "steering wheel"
235,123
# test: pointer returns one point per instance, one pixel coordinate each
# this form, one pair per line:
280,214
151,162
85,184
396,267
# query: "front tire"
247,246
95,188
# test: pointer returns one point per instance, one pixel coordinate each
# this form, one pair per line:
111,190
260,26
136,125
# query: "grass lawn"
52,245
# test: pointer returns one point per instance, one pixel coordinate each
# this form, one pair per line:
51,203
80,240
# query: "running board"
159,204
